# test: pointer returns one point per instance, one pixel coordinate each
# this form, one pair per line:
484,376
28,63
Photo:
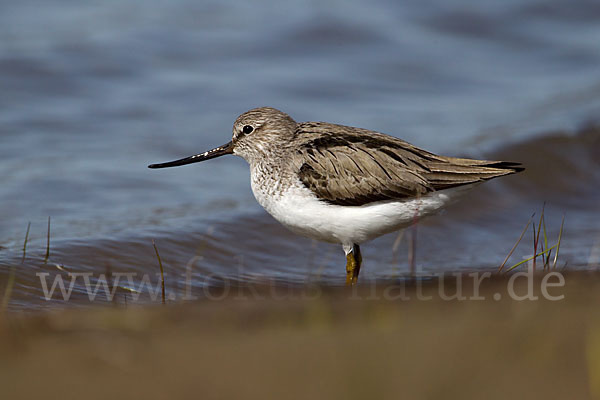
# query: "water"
91,93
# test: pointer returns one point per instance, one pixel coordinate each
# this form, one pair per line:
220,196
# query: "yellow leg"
353,263
350,267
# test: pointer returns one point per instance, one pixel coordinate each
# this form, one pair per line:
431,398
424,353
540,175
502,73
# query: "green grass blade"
547,257
562,225
536,237
530,258
516,244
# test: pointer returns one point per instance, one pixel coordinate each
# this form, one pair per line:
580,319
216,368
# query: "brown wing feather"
352,167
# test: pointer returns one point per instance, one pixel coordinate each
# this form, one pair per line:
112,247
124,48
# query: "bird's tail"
454,172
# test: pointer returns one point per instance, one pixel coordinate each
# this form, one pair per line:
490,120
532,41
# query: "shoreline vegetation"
342,343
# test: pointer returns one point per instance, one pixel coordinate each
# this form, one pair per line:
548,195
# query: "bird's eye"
247,129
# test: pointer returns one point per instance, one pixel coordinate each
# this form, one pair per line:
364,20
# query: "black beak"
207,155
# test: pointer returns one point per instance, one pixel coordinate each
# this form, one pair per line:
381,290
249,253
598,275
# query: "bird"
341,184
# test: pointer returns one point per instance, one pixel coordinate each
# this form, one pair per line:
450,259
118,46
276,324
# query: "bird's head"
255,133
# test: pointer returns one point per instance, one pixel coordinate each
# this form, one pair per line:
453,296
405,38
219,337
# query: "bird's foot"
353,263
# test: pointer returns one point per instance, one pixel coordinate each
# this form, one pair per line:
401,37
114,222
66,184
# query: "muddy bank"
338,344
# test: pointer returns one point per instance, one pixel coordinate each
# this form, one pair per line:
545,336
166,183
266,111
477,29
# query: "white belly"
298,209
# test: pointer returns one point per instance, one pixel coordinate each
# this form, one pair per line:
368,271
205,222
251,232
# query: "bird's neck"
271,174
269,158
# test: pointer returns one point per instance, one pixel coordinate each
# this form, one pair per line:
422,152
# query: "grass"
545,251
25,242
47,243
536,239
162,273
562,225
11,277
516,244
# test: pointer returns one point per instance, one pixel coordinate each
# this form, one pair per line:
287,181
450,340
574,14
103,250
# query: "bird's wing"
352,167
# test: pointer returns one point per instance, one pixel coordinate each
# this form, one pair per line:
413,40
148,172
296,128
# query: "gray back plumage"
350,166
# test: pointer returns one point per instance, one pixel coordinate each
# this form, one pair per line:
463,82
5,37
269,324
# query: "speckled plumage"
343,184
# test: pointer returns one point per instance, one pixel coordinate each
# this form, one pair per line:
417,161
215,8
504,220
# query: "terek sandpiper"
341,184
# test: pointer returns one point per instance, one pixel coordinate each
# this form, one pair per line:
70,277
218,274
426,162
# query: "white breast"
297,208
